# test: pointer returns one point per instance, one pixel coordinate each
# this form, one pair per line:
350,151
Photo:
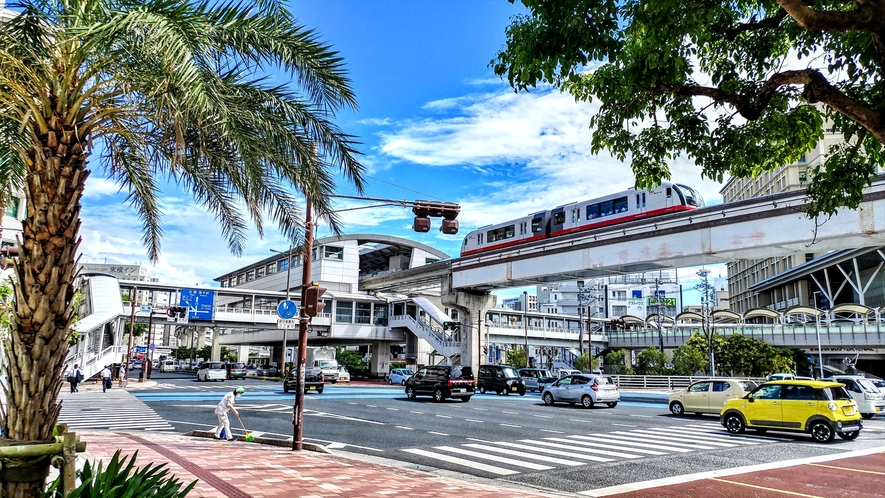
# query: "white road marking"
460,461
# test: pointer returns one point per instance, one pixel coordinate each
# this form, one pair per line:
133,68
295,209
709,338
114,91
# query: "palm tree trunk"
43,294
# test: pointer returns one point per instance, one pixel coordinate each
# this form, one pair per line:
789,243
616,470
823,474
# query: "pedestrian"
74,378
226,403
105,379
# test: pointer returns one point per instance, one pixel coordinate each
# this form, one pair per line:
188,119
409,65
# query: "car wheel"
586,401
867,416
403,382
390,381
522,393
734,424
320,391
822,432
482,390
849,436
410,393
612,404
548,399
676,408
505,392
465,399
285,387
438,395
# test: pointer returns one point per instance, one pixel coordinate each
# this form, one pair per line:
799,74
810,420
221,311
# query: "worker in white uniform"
227,403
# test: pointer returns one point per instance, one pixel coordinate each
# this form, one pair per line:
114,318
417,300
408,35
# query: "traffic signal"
451,325
425,209
176,311
485,350
312,293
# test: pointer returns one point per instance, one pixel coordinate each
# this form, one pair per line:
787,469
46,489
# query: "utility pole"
525,325
708,296
298,418
658,283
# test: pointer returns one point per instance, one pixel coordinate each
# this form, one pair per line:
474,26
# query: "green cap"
239,390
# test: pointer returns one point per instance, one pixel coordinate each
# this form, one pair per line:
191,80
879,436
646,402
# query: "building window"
636,293
344,312
283,265
380,314
619,310
333,252
271,268
250,275
363,313
619,295
241,278
12,207
259,272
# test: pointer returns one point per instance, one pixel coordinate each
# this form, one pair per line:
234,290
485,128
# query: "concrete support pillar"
380,359
473,307
243,354
216,345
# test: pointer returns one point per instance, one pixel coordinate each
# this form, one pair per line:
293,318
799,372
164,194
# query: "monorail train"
612,209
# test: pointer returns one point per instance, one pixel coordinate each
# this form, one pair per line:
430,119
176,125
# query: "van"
167,366
502,379
869,399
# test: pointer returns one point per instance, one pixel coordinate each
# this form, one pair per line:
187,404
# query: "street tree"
616,361
233,102
585,363
516,358
651,361
736,87
688,360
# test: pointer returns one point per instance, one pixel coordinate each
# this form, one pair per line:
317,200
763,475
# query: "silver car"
585,389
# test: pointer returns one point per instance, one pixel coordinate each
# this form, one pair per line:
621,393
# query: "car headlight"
832,406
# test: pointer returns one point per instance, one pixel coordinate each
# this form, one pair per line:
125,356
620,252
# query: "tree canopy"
737,87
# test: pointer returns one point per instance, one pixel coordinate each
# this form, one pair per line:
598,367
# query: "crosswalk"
547,453
116,409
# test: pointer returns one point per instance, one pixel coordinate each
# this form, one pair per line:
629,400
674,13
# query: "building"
516,303
639,295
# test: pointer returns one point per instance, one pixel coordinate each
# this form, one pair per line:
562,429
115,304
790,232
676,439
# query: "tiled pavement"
242,470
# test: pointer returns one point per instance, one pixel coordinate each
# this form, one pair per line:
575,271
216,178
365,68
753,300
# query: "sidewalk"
239,469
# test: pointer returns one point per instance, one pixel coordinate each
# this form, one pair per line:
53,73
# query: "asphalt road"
564,448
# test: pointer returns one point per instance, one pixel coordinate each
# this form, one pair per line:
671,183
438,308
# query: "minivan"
236,370
502,379
167,366
869,399
441,382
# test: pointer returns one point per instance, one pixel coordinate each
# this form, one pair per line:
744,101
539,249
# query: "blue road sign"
287,309
140,349
153,347
199,303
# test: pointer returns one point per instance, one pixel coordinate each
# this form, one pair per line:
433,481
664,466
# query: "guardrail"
667,382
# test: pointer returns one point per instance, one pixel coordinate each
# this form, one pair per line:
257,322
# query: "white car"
343,374
585,389
708,396
211,370
399,376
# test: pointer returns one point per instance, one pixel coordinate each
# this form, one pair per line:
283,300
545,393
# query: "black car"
441,382
502,379
313,380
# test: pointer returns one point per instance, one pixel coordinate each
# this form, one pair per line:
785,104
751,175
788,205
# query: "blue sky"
434,123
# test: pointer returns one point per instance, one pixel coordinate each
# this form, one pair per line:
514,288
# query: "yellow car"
822,409
708,396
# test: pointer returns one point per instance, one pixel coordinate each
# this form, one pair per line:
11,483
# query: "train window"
559,218
576,215
479,239
637,201
605,208
509,232
669,192
536,225
643,199
593,211
621,205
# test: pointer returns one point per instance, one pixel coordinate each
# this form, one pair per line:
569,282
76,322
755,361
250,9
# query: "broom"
249,437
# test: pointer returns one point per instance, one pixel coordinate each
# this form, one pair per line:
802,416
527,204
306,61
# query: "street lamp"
525,325
820,355
288,276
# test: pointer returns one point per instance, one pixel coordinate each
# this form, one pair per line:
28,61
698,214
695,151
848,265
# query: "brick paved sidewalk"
242,470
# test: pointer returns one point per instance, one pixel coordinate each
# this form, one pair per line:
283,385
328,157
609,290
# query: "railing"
438,340
666,382
63,452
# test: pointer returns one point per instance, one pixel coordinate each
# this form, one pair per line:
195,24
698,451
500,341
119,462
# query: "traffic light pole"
298,415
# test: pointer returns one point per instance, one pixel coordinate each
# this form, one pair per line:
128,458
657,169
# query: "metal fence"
665,382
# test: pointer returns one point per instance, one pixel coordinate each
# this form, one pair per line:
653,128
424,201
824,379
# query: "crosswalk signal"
312,294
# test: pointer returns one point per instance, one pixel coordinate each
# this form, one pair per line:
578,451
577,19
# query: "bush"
149,481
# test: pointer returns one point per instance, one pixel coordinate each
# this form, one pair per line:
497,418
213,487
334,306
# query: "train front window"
692,197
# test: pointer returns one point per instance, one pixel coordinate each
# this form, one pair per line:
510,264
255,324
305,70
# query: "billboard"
199,303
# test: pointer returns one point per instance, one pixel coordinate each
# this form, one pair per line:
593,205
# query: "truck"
321,357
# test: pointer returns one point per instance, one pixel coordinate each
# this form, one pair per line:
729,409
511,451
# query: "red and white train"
612,209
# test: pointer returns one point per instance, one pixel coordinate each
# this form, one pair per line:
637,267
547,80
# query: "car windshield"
747,385
510,373
327,363
216,366
867,385
461,372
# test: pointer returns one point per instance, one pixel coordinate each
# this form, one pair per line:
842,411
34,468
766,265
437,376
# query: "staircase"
430,328
104,306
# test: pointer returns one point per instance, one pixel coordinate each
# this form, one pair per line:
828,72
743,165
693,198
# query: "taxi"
819,408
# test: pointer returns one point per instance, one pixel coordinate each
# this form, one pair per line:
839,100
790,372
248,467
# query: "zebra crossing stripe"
571,455
584,450
508,461
658,442
712,435
542,458
460,461
663,439
719,430
591,443
626,441
690,438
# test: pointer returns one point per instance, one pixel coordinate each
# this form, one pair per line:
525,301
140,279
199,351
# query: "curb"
262,440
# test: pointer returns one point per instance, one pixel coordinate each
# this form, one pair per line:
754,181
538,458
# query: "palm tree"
232,101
